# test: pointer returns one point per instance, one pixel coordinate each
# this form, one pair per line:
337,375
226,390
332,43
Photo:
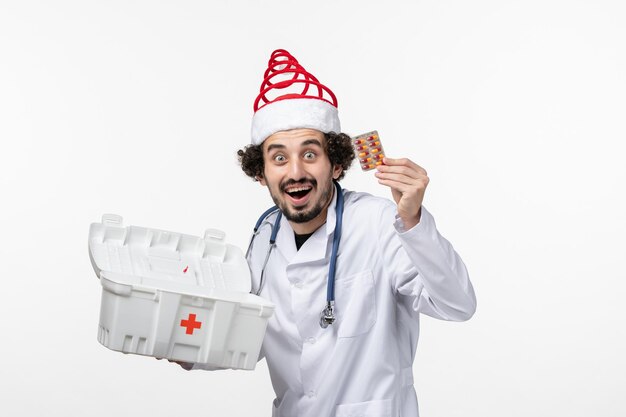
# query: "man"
351,356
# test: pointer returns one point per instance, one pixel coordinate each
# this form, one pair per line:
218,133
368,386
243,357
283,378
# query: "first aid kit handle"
214,234
112,219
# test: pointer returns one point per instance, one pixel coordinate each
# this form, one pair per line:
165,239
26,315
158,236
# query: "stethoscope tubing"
327,316
330,285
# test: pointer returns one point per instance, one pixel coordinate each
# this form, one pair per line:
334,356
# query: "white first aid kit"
176,296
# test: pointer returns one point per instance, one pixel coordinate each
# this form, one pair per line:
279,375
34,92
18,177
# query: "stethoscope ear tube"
263,216
275,229
258,224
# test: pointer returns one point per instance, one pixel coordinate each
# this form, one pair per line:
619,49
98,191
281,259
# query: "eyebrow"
311,142
303,144
275,146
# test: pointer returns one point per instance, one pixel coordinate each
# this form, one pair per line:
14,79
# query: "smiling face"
298,175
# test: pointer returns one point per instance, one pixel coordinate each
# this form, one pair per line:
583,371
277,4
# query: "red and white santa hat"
290,98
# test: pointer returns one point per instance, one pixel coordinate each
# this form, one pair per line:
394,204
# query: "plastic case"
176,296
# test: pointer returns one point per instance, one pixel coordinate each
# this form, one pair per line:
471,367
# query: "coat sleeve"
427,270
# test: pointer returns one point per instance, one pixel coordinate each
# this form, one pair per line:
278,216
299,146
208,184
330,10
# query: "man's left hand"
408,182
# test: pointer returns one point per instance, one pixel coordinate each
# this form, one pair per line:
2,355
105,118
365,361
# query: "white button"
310,394
297,284
311,340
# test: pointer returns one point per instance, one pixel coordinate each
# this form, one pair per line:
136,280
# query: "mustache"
303,181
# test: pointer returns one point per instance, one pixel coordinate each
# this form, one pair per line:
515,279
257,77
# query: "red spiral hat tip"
285,72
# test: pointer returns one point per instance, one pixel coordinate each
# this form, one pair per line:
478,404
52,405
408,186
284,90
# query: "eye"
279,158
309,155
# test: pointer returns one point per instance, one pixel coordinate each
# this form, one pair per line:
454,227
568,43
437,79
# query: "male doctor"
347,352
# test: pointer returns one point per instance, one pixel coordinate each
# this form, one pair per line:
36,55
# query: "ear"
337,170
261,180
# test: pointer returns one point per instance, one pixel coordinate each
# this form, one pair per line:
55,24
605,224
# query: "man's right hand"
187,366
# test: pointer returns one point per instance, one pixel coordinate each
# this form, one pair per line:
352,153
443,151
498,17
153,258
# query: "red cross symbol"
191,323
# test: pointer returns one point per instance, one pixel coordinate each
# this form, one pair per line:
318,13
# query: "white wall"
515,108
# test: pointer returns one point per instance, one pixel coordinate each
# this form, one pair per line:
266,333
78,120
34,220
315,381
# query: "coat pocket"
355,304
378,408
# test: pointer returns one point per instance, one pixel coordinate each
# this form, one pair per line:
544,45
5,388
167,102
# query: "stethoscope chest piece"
327,316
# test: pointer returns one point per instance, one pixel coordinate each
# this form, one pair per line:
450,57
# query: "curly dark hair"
338,147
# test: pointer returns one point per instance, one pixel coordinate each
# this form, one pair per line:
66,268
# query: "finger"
420,182
399,178
404,162
396,185
400,169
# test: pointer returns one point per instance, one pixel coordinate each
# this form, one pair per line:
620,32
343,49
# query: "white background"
515,108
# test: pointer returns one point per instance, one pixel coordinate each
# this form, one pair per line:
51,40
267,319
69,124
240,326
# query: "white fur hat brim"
294,113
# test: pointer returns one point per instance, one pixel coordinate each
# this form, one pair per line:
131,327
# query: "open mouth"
298,195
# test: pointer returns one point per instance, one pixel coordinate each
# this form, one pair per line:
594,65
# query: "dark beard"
307,215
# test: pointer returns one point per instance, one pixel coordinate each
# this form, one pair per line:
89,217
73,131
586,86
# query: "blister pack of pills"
369,150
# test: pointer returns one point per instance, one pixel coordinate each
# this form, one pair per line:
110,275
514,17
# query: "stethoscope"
327,316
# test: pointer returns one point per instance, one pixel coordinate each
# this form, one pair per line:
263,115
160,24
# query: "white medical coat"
386,276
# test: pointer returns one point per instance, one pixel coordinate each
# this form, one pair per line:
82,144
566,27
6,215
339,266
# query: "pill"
361,148
375,150
366,160
362,154
367,166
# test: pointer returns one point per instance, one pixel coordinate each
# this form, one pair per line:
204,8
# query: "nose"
296,169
